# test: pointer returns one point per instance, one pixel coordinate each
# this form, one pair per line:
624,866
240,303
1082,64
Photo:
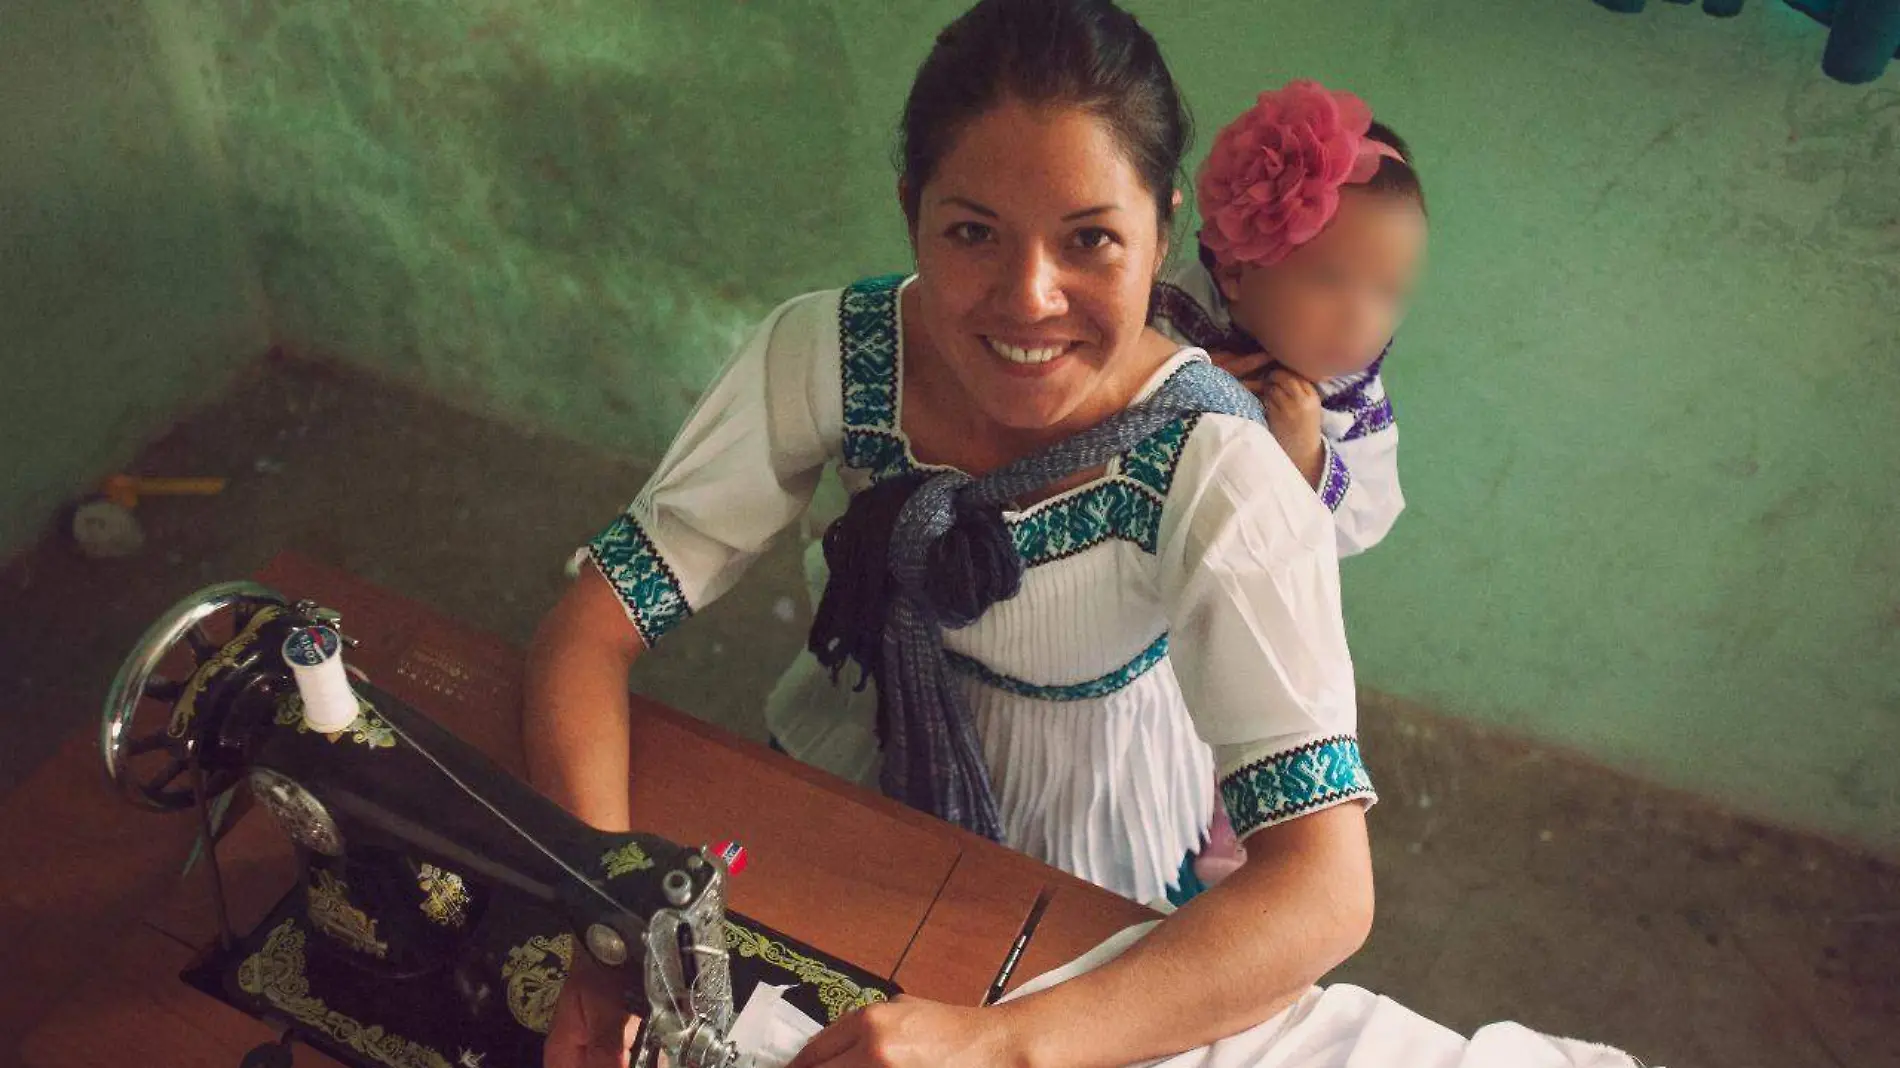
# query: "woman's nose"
1030,288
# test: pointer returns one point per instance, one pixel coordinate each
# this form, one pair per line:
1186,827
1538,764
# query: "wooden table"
887,888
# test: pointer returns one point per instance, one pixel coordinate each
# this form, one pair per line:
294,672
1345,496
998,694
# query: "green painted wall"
124,294
566,212
1648,400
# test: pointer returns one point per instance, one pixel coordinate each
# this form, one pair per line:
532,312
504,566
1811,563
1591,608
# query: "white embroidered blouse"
1187,599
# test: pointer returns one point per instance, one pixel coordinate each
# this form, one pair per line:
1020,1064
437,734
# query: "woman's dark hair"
1079,53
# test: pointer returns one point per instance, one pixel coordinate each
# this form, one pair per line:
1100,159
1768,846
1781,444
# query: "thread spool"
315,656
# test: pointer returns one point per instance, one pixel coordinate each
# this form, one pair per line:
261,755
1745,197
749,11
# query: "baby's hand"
1247,368
1293,417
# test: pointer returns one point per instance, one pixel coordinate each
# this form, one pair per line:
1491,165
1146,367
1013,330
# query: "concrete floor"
1515,883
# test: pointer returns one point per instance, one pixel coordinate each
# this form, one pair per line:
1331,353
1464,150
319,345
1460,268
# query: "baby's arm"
1370,501
1293,416
1361,485
1292,407
1346,445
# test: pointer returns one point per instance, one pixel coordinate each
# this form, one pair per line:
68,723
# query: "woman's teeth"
1025,356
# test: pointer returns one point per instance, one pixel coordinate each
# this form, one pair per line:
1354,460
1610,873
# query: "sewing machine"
440,900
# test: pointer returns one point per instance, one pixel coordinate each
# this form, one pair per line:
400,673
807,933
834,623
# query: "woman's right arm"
741,471
576,734
575,726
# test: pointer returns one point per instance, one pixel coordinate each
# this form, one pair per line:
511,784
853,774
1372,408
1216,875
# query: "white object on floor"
770,1030
106,531
1347,1027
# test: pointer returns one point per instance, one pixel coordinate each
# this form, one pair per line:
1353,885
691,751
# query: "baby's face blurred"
1330,307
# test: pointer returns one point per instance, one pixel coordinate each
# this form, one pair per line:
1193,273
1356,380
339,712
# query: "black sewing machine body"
440,899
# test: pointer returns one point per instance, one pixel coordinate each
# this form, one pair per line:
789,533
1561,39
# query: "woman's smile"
1031,358
1037,244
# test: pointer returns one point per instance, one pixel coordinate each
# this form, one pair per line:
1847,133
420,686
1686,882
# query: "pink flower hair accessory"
1272,181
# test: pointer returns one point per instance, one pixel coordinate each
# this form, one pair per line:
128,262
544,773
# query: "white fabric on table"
770,1031
1344,1026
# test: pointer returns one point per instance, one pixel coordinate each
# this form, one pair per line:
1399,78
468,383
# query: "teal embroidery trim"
646,585
1313,776
879,452
1117,679
867,334
1153,461
1114,509
1124,507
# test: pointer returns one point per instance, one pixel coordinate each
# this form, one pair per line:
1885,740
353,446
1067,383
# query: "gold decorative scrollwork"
367,728
625,859
445,896
332,913
534,972
186,709
275,973
836,992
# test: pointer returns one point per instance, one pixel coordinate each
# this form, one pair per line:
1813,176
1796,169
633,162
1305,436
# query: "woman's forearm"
1230,959
575,724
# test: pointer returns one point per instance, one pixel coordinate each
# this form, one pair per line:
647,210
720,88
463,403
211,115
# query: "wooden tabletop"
870,881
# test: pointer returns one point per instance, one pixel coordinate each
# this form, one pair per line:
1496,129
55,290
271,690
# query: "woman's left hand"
913,1033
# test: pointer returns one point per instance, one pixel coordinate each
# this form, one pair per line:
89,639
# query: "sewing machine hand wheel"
148,745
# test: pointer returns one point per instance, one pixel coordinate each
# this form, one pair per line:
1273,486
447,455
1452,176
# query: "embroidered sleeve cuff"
1278,788
1370,419
647,587
1336,480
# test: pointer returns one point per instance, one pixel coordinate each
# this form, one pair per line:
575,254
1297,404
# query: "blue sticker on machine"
311,646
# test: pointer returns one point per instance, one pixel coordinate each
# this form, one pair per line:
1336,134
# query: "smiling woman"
1039,244
1081,576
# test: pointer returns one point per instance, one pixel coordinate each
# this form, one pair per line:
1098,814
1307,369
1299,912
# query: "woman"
1178,595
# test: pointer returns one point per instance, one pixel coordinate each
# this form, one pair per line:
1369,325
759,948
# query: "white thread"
315,656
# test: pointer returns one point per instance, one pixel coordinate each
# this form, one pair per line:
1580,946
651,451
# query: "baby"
1313,232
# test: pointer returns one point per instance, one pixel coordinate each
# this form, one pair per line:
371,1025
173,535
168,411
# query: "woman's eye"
1091,238
969,233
